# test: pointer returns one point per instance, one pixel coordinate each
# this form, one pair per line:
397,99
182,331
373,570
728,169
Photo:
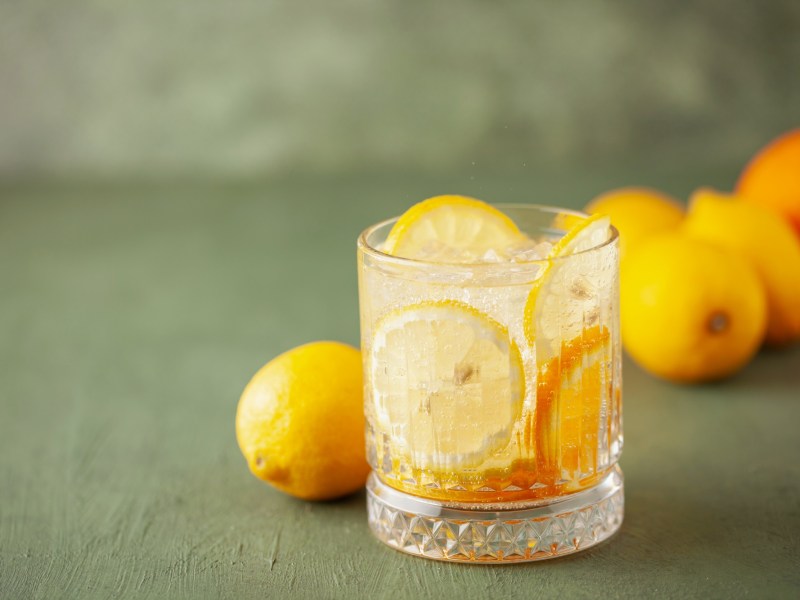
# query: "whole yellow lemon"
764,239
690,311
637,213
300,422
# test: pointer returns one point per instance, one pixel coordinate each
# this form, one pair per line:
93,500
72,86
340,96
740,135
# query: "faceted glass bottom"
500,533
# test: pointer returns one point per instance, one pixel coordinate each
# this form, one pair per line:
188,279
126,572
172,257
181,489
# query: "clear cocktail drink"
492,382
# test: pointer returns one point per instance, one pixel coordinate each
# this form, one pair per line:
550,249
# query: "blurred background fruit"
300,422
690,311
766,241
772,178
638,213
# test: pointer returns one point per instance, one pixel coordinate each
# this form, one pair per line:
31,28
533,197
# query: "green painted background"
181,186
246,87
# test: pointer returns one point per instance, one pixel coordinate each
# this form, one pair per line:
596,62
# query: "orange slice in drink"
562,322
565,426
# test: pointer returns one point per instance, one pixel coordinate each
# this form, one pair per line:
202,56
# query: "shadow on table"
772,371
775,370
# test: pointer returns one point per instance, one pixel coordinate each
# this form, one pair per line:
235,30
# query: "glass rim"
365,247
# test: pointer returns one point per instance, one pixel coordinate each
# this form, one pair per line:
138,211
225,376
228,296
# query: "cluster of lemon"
703,289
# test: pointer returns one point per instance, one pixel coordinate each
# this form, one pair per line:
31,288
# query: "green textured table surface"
132,316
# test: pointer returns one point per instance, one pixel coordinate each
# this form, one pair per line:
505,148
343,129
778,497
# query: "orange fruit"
300,422
690,311
772,178
764,239
637,213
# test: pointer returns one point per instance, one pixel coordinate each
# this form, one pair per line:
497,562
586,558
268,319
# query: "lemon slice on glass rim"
454,229
565,294
447,382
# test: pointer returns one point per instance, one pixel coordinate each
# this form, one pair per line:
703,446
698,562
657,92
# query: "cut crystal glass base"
500,533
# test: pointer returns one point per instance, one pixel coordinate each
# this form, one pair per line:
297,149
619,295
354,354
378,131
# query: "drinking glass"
493,397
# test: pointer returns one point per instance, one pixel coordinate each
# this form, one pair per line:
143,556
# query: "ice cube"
491,256
528,250
436,251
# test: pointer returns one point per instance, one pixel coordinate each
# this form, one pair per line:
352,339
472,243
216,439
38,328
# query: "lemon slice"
565,221
563,300
450,229
447,383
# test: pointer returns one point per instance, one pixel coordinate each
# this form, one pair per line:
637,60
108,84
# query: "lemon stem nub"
718,322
